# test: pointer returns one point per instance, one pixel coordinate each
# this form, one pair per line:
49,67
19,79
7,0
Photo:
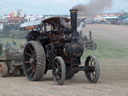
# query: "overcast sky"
42,7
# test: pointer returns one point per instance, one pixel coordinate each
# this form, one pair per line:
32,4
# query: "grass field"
107,50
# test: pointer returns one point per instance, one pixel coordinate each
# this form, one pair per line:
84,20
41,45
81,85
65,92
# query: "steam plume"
94,7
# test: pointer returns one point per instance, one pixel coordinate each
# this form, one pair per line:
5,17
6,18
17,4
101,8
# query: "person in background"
13,43
32,35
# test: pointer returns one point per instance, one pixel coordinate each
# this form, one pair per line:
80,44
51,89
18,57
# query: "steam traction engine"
11,62
53,44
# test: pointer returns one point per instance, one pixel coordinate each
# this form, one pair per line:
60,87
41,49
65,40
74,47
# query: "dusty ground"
113,80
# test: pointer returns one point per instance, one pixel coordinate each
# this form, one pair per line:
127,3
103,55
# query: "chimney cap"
73,10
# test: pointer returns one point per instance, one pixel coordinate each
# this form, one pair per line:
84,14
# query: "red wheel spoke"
31,50
90,62
93,62
29,69
93,73
34,69
27,62
33,65
57,74
31,74
28,54
94,76
57,64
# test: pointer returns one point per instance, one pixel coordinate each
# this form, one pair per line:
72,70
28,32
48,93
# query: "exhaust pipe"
73,16
74,48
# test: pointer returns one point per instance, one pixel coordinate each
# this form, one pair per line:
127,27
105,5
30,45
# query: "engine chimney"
74,48
73,14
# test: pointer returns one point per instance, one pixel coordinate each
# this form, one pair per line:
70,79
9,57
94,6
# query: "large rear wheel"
34,61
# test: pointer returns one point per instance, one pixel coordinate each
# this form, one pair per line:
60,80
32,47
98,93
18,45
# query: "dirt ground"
113,80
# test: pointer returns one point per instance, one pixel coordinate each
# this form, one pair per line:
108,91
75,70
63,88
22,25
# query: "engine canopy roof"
59,21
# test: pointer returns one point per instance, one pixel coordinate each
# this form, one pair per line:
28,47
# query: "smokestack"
73,14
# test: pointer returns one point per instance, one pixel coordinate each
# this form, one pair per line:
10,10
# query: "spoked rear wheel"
93,72
59,70
3,69
34,61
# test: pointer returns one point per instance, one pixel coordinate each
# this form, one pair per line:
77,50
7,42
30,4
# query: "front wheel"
93,72
59,70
